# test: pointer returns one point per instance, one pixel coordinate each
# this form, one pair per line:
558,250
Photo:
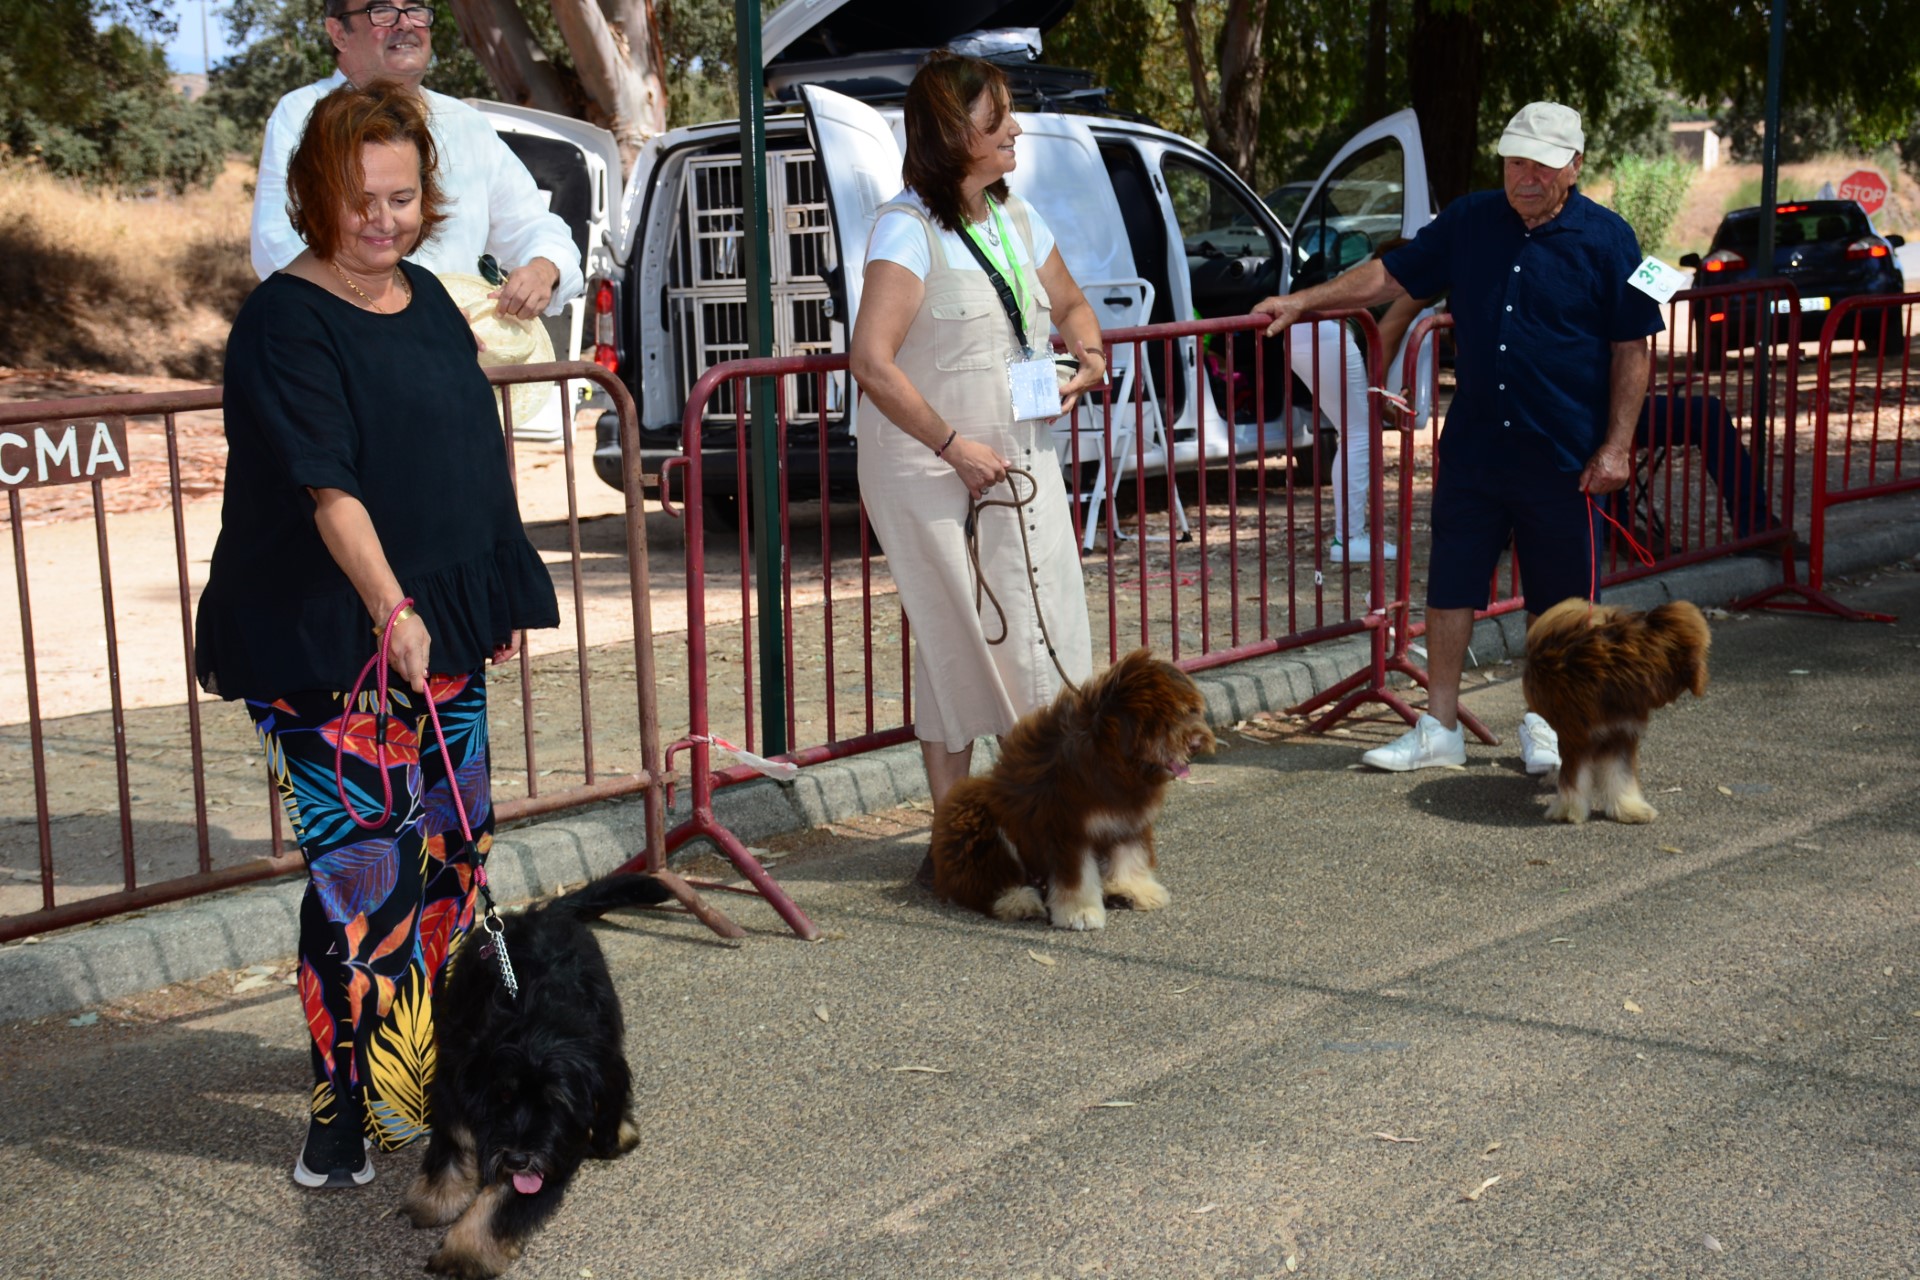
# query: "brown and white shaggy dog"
1064,822
1596,674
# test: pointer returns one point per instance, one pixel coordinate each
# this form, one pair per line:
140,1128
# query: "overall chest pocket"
964,333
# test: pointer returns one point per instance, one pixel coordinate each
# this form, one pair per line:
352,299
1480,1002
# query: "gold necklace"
371,306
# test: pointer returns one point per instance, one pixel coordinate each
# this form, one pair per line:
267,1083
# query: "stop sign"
1866,186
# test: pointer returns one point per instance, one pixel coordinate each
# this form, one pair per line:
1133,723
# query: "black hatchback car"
1827,248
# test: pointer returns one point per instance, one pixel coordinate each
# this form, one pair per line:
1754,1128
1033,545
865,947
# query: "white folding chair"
1119,304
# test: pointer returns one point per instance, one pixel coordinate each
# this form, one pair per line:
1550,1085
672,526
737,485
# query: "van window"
1231,252
1361,207
1215,220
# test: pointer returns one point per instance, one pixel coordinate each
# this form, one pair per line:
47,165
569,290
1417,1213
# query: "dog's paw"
1632,809
1079,916
435,1202
1561,809
451,1260
1020,903
1142,893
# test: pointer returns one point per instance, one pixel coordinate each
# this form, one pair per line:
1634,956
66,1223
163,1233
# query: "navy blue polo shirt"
1535,314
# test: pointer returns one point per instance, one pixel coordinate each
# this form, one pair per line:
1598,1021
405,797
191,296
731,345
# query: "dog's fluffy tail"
610,893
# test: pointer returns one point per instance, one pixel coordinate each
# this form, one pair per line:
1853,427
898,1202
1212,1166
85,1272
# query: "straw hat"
508,340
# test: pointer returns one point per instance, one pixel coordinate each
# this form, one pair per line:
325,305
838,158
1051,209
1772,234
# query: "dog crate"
707,287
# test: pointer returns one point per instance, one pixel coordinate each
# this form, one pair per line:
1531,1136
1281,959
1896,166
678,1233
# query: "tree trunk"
500,38
1233,121
616,48
1445,71
1373,89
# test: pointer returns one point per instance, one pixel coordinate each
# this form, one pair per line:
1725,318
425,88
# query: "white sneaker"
1539,744
1359,550
1424,746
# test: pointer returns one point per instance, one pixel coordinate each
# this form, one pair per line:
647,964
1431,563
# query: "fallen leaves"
1474,1195
1488,1153
820,1012
1388,1137
1713,1244
1117,1102
924,1071
1631,1007
1205,1208
1671,848
1725,791
1041,959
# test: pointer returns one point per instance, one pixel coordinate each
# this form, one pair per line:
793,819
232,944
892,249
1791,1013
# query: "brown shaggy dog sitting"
1596,674
1065,820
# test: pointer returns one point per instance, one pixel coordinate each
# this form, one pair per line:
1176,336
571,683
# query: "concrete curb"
257,924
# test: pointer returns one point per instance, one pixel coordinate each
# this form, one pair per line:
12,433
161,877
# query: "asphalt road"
1691,1048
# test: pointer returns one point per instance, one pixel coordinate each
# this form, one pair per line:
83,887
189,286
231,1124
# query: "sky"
185,51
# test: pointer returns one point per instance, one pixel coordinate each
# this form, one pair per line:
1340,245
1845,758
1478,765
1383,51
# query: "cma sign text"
62,453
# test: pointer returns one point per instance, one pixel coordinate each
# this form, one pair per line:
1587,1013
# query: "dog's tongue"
1181,770
527,1183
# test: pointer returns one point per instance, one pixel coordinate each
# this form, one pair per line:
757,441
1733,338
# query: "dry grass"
130,285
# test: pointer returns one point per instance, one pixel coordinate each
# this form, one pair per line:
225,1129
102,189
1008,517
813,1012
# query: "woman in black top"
365,467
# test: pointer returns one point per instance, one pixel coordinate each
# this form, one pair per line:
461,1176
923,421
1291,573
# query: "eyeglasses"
391,15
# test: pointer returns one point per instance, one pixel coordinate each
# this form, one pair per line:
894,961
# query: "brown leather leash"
980,586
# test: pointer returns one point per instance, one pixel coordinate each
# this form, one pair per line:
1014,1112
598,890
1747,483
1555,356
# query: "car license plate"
1783,305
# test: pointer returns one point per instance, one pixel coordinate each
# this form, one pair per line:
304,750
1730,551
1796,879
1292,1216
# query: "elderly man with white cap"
1551,375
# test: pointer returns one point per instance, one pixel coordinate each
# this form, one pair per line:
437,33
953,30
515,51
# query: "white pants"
1326,358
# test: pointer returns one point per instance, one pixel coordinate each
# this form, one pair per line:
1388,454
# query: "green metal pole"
764,479
1769,196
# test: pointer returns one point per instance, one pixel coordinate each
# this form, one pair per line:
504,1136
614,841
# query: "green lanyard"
1009,265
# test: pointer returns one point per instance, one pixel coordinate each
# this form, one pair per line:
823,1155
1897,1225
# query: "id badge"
1036,389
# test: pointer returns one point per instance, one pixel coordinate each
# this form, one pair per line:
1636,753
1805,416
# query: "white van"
1152,226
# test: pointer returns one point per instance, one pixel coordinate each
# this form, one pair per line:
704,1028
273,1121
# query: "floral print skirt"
384,907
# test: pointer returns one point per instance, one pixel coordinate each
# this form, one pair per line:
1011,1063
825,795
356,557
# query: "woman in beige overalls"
931,350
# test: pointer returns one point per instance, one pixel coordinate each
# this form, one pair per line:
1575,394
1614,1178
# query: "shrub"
1648,194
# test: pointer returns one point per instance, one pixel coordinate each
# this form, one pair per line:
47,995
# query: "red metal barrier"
85,441
1866,434
1200,418
1713,456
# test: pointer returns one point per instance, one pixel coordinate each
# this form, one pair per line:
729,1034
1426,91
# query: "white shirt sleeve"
1042,236
274,241
520,226
900,237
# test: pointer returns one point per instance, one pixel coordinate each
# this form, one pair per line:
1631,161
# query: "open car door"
1374,190
861,160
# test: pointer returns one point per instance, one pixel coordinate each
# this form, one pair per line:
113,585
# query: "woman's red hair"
326,178
940,130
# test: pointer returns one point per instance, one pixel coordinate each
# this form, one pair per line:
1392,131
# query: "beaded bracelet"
941,452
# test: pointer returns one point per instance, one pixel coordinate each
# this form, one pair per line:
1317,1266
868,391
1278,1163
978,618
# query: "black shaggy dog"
526,1086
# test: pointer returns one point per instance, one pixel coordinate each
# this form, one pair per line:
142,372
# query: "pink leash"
379,662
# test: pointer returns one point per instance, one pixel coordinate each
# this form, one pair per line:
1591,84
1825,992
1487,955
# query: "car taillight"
1867,247
1722,260
1717,317
606,350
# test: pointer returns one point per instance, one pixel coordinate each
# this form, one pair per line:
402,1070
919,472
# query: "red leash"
1593,550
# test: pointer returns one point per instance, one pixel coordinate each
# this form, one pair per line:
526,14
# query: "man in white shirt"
494,206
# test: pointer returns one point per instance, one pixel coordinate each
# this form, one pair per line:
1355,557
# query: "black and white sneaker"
332,1166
